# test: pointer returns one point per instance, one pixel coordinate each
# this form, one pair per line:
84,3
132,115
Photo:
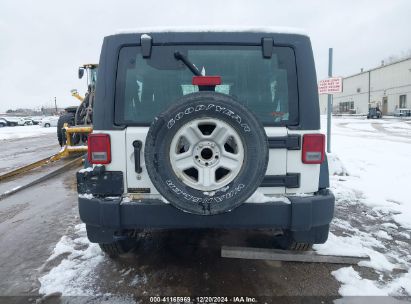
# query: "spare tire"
207,154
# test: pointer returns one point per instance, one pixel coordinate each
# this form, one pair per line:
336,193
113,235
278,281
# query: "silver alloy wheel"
206,154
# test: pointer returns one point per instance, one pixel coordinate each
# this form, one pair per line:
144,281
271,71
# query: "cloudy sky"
43,42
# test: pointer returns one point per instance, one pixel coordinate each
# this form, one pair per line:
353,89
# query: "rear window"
147,86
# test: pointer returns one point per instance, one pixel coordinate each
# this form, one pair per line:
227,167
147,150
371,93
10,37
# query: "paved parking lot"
45,250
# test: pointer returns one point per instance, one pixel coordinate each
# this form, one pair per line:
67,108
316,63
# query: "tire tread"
113,250
300,246
65,118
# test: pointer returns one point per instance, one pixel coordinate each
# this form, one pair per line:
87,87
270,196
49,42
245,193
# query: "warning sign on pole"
330,86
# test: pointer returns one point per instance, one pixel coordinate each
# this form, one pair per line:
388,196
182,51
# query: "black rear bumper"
304,215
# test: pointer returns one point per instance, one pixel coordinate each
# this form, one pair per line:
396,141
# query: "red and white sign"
330,86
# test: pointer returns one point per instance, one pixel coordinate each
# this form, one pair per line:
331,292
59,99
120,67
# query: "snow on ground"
74,274
370,171
379,167
72,270
355,285
24,131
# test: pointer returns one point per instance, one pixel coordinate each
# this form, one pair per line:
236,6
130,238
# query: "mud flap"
100,235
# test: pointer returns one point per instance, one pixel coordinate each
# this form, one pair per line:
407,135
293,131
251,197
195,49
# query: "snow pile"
86,196
25,131
137,280
259,197
335,166
75,272
84,170
357,245
383,235
355,285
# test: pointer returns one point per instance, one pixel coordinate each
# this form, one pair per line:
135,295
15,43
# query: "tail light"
99,149
313,148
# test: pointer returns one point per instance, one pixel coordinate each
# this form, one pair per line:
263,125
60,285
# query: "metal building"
387,86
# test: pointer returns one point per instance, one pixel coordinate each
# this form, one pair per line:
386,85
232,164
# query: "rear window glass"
145,87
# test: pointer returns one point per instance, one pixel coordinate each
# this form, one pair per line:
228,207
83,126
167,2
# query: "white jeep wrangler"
189,124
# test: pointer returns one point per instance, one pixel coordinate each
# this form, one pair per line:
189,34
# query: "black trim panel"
290,142
291,180
105,183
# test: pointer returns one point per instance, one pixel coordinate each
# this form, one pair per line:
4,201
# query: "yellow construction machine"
76,123
73,128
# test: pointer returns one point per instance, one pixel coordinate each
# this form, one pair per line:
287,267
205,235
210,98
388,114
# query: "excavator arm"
75,94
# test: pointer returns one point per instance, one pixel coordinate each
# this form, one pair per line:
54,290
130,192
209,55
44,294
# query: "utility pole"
330,100
55,103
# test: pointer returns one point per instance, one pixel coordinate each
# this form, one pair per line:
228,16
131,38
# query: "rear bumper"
105,217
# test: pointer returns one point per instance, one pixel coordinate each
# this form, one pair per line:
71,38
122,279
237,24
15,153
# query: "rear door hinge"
289,142
290,180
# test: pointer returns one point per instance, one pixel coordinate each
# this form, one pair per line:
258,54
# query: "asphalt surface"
167,263
19,152
31,222
172,263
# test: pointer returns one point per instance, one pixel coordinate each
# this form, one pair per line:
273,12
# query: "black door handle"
137,144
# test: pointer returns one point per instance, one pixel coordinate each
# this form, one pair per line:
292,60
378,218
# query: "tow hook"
99,169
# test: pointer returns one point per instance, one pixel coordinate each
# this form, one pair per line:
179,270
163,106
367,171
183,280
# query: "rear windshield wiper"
188,63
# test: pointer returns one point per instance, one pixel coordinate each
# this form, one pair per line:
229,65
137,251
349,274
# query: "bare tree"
394,58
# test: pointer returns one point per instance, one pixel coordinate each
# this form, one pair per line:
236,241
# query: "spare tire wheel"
207,154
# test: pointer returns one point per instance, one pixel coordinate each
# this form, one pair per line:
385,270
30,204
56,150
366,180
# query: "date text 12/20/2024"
239,299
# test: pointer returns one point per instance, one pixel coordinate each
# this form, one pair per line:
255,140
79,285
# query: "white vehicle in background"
36,119
49,121
25,121
402,112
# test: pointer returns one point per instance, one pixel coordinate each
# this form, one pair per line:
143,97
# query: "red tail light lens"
206,80
99,149
313,148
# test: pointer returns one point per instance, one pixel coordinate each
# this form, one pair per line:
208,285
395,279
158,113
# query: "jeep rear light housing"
99,149
313,148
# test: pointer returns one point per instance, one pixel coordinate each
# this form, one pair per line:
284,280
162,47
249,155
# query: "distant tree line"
394,58
34,112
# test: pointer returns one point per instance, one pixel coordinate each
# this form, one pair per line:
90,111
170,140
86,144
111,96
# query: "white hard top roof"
202,29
